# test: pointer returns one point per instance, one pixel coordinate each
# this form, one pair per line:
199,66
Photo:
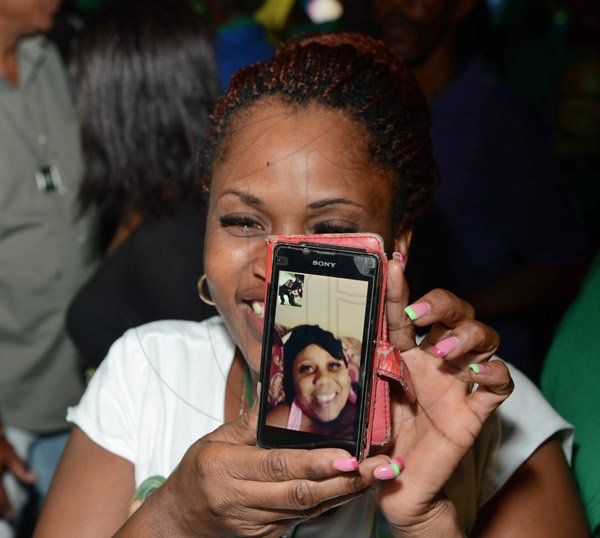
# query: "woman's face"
322,383
414,28
285,171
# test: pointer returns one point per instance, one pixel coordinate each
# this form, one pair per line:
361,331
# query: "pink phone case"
387,364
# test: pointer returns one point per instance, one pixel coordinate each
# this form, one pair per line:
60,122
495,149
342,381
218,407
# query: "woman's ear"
403,238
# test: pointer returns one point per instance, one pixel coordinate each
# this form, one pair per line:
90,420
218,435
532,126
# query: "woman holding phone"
331,135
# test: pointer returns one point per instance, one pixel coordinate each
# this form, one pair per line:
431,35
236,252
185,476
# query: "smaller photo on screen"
291,289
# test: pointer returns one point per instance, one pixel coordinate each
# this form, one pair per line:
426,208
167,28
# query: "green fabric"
45,254
321,28
147,487
571,380
86,6
236,22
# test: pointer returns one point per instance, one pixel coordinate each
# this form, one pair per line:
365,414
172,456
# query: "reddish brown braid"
359,75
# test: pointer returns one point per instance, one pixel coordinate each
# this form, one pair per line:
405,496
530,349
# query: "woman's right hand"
227,486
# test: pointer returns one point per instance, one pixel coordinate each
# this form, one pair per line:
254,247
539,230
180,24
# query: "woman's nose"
289,226
321,377
258,262
259,254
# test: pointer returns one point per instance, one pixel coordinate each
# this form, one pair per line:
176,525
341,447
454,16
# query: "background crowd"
103,106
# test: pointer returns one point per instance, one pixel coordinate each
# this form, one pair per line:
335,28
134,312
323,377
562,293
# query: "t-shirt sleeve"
526,421
108,412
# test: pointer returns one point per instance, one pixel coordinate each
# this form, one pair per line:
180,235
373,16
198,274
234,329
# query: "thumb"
241,431
401,331
246,425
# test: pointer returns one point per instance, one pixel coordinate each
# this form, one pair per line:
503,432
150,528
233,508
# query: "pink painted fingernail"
416,310
445,347
479,368
399,256
345,465
390,471
400,462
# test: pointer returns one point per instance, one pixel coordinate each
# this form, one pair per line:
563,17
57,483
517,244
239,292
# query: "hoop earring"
204,294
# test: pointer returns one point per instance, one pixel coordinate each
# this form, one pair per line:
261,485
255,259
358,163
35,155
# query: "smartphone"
321,320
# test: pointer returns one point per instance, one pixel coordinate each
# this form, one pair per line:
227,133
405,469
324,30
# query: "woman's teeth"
325,398
258,308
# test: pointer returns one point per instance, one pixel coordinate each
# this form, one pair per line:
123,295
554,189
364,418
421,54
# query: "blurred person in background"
240,39
502,231
549,50
147,80
45,255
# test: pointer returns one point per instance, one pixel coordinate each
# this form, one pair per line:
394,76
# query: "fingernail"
479,368
400,462
390,471
445,347
258,386
416,310
345,464
399,256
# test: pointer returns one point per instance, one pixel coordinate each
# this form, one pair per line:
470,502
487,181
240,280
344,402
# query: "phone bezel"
299,260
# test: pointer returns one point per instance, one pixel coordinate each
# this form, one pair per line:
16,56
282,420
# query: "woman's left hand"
433,434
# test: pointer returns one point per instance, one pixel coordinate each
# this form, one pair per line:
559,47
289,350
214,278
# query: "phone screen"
320,326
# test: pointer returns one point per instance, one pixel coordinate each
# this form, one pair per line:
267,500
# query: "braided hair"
358,75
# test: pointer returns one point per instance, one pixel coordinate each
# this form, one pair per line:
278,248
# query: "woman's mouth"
254,311
258,308
325,398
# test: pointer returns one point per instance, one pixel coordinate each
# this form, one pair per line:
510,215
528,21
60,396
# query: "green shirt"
571,379
45,252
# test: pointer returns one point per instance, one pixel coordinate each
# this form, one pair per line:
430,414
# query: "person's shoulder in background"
151,276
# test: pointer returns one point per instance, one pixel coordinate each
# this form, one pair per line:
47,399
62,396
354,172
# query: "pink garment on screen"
295,416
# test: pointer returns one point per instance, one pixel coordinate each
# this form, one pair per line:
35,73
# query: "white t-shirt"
162,387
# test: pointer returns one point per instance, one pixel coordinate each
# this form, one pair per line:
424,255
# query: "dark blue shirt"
501,205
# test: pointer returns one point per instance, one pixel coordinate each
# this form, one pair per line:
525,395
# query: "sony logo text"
323,264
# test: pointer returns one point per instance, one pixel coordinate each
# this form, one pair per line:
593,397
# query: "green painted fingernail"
410,313
475,367
417,310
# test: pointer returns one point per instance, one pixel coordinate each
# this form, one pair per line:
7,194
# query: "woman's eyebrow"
250,199
319,204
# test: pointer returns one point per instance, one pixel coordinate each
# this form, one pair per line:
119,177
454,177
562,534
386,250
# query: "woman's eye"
305,368
335,366
241,225
334,228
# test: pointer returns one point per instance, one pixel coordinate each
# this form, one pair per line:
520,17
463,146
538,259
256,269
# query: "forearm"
527,288
536,502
